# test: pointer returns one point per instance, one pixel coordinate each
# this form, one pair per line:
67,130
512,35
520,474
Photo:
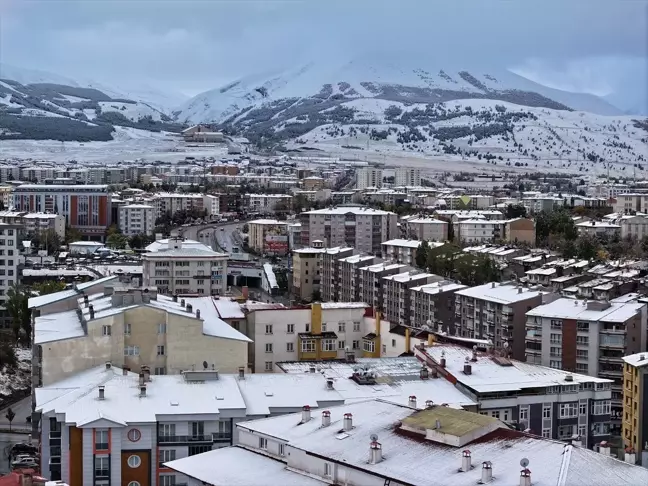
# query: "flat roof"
350,209
499,293
638,360
578,309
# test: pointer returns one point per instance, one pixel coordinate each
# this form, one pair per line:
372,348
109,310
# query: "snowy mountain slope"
32,76
396,80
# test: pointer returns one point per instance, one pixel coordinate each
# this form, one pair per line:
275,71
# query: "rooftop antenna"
374,437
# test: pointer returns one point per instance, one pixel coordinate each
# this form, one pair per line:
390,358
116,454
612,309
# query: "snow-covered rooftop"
439,287
228,309
270,275
638,360
582,310
409,276
350,209
42,300
268,222
344,305
186,244
411,243
499,293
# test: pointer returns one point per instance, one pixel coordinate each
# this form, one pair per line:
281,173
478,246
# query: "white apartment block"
37,174
361,228
598,228
369,177
137,219
397,296
630,203
478,231
9,238
403,251
430,229
635,227
268,203
168,202
35,222
186,271
407,177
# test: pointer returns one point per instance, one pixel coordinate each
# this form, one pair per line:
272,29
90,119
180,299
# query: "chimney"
182,302
85,300
108,365
311,368
424,374
467,367
576,440
465,461
91,310
306,413
525,477
443,359
492,285
189,308
375,449
412,401
630,456
124,372
142,390
142,379
329,383
102,392
198,313
241,373
519,290
175,298
487,472
604,448
348,421
326,418
429,404
147,374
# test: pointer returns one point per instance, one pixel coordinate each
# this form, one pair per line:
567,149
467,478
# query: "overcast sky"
597,46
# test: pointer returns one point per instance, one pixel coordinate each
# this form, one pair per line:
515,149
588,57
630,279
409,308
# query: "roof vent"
375,449
412,401
347,422
142,390
487,472
424,374
525,477
189,308
569,378
467,369
306,413
102,392
329,383
182,302
241,373
326,418
429,404
465,461
108,365
198,313
91,311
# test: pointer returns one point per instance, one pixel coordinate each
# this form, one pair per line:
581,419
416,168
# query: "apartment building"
268,236
404,251
134,327
478,231
430,229
635,405
589,337
177,270
520,230
349,276
306,273
361,228
108,425
407,177
630,203
635,227
33,223
330,281
548,402
86,208
268,203
434,303
6,195
137,219
397,298
496,312
321,331
171,203
599,228
10,236
368,177
370,286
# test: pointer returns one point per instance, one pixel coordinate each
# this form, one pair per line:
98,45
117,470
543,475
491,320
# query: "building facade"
268,236
635,403
137,219
306,273
407,176
369,177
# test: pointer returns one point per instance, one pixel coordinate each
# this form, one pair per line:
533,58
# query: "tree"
516,211
10,416
140,241
112,230
48,240
48,287
72,235
18,307
421,254
117,241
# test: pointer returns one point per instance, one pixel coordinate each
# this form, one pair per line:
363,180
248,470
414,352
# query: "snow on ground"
6,101
18,379
132,111
71,99
37,112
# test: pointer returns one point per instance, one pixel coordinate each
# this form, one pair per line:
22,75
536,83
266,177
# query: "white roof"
597,224
344,305
379,267
356,258
489,376
438,287
161,245
542,271
228,309
408,276
499,293
268,222
427,221
136,206
637,360
57,327
270,275
410,243
86,243
42,300
309,250
350,209
223,467
578,309
423,462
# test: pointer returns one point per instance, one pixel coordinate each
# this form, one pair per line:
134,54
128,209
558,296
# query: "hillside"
64,112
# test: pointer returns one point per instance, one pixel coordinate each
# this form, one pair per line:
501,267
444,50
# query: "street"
22,409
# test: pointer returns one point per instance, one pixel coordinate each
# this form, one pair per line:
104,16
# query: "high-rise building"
635,403
369,177
137,219
406,176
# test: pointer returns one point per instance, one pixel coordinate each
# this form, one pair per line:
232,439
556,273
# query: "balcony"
55,434
195,439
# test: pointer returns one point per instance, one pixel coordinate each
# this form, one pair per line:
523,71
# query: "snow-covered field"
18,379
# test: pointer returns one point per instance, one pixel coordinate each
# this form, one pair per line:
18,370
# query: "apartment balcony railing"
195,439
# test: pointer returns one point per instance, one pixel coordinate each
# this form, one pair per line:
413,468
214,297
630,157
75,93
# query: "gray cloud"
196,45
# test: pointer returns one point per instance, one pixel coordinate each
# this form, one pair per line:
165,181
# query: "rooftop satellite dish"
524,462
373,437
205,364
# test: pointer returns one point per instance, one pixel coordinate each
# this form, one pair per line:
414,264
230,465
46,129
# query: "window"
324,327
356,326
263,443
581,368
328,470
582,340
268,365
569,389
166,430
290,347
134,435
329,345
355,345
135,483
101,440
601,428
546,411
167,455
131,350
524,413
546,433
582,430
565,431
194,450
555,351
384,348
601,407
106,330
568,410
102,467
134,461
160,350
308,327
495,414
167,480
268,329
555,364
160,370
556,324
581,353
161,328
582,326
290,329
341,327
127,329
308,346
582,408
368,346
268,347
556,338
393,343
282,449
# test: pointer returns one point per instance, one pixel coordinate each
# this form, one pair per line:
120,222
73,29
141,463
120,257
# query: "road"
22,409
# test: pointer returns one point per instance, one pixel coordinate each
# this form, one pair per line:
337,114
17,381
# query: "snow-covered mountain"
367,77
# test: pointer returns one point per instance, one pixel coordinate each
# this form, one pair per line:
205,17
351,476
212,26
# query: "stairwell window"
268,329
101,440
127,329
106,330
328,470
356,326
161,350
268,348
161,328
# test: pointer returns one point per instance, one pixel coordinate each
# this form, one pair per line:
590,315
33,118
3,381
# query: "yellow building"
316,344
635,402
